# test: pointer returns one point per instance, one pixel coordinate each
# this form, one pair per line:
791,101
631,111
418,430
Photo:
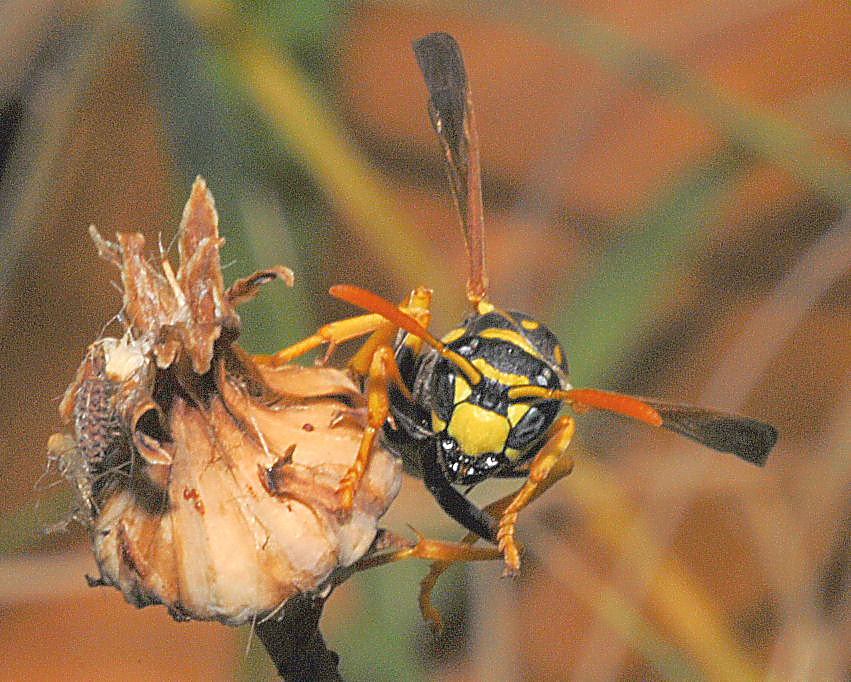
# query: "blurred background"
667,184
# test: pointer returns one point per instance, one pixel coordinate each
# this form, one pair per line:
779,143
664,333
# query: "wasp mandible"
484,400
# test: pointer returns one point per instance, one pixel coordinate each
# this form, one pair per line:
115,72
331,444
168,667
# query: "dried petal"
149,300
106,249
200,275
247,288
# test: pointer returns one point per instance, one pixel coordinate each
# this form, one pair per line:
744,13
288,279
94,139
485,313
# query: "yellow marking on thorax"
477,430
437,424
557,354
531,325
453,335
505,378
512,337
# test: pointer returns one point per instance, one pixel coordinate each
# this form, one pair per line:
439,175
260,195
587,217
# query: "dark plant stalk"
295,643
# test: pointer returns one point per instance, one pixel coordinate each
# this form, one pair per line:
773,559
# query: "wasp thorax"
209,482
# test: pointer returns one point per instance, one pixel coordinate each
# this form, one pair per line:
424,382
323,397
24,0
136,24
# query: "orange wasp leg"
376,360
562,467
442,554
333,334
382,369
417,305
435,550
400,317
560,435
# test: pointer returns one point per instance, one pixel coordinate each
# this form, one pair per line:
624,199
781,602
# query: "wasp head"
481,431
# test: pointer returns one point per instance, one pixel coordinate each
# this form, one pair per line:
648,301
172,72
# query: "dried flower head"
207,481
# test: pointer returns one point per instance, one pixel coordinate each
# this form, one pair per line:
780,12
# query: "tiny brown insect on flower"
208,482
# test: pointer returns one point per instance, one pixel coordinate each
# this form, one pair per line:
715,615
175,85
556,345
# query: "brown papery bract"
208,482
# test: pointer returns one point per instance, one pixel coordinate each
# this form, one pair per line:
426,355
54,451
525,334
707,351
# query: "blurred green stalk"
303,122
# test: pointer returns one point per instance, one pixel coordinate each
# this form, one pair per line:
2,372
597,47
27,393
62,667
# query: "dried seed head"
208,482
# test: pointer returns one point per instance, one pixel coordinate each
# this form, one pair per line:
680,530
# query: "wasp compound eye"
443,387
531,427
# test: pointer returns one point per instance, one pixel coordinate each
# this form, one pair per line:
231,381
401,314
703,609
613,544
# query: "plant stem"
295,644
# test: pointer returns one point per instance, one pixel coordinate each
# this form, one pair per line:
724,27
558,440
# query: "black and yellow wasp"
484,401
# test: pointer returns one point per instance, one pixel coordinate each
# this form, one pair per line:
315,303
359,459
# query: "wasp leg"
395,548
382,370
376,360
417,305
430,614
333,334
560,434
562,467
389,548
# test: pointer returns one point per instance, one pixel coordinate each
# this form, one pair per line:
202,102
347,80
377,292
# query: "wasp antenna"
375,304
748,439
582,398
451,111
626,405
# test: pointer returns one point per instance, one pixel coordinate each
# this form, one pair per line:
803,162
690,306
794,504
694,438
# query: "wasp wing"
747,438
451,110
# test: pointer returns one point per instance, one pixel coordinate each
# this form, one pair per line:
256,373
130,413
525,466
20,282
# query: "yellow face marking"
513,454
477,430
437,424
516,412
557,354
462,390
505,378
483,308
511,337
453,335
531,325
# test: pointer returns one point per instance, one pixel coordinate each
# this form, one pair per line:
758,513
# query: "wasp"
483,401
